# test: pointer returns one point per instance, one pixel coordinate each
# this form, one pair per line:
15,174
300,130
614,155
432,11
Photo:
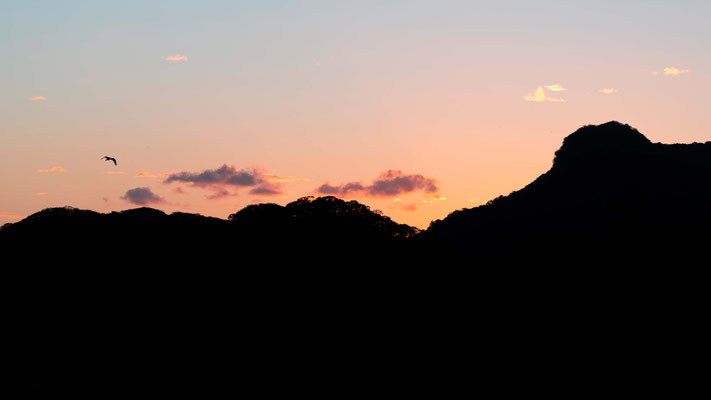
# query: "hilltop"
610,195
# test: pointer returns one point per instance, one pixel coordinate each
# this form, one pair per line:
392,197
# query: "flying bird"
107,158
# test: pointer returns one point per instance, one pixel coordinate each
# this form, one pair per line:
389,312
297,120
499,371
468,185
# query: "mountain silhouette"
310,229
611,196
602,255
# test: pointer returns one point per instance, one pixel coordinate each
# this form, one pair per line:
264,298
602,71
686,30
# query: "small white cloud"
608,90
540,95
674,71
556,88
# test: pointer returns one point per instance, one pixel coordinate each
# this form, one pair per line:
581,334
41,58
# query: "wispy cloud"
115,173
38,98
409,207
608,90
142,196
41,193
53,169
7,215
147,174
674,71
267,189
177,57
219,193
555,88
391,183
283,179
540,95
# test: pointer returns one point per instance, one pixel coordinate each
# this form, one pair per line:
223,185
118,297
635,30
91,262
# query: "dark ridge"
610,195
309,229
608,249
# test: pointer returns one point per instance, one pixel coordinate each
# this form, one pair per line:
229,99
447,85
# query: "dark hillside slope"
611,196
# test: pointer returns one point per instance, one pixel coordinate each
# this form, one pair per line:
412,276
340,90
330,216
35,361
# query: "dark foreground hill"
611,197
601,259
323,230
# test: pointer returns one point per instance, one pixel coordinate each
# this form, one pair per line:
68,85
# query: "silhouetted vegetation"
611,196
612,240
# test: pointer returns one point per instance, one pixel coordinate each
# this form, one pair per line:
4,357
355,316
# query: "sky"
414,108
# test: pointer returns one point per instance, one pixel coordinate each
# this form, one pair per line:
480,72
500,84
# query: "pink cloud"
390,183
266,189
142,196
177,57
409,207
223,181
38,98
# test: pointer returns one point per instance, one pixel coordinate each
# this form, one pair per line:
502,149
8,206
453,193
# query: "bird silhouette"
107,158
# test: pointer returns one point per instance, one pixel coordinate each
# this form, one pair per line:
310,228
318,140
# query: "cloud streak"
390,183
146,174
283,179
267,189
38,98
177,57
608,90
142,196
53,169
7,215
555,88
409,207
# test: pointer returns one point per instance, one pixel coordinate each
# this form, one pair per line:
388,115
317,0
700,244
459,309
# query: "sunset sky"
415,108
